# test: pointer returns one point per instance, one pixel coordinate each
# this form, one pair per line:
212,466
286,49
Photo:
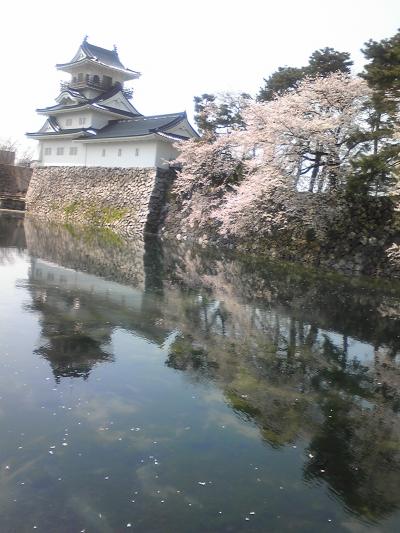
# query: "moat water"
168,390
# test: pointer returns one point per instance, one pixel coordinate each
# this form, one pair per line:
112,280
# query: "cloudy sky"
182,47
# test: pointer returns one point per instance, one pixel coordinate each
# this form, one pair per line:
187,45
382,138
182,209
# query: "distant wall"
127,200
7,157
14,180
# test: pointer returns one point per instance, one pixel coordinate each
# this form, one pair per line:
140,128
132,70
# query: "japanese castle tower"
95,124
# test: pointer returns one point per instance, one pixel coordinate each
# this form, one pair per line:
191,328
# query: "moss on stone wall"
95,214
127,200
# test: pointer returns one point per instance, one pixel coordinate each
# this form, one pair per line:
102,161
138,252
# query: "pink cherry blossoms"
303,140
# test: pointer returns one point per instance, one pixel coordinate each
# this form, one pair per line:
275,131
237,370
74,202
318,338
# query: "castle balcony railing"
85,84
128,93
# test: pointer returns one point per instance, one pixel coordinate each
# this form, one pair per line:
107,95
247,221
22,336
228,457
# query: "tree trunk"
298,173
321,181
318,157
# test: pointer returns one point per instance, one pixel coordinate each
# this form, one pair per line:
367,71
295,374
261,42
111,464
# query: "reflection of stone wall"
288,349
128,200
349,306
86,251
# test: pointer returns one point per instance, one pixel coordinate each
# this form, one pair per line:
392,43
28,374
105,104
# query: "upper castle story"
94,70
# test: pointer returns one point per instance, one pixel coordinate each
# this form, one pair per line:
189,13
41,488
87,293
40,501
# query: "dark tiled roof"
75,93
85,131
173,136
101,55
107,57
94,102
107,94
114,110
139,126
54,124
58,107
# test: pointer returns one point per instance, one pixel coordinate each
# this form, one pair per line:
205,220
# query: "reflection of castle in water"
301,358
79,312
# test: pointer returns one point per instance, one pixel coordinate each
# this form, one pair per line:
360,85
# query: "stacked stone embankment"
129,201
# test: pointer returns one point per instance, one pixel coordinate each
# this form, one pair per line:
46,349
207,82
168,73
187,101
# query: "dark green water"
164,390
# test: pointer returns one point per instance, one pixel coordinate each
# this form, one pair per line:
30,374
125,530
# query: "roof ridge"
113,51
183,113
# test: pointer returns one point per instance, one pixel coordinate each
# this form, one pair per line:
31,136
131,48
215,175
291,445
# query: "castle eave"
70,67
74,134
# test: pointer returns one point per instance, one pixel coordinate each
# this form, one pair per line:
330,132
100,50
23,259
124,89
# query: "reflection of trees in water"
281,346
356,451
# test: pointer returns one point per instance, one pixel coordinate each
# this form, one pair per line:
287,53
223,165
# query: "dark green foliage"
374,171
321,63
229,112
383,73
219,113
204,121
326,61
279,82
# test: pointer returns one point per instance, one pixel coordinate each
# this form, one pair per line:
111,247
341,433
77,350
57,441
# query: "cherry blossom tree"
311,134
306,139
210,168
250,178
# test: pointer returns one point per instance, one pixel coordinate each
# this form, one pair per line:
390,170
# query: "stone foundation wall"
14,180
354,238
129,201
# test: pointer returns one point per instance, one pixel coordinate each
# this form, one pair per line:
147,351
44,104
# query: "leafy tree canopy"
382,72
220,113
380,164
321,63
326,61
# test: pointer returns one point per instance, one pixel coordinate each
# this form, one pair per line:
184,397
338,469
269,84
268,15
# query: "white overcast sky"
182,48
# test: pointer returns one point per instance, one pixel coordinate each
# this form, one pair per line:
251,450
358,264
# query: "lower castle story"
118,153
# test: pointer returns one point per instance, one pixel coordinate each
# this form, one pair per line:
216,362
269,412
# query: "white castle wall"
124,154
140,154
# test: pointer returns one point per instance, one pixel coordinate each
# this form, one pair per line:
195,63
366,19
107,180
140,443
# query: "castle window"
47,151
80,76
60,150
68,122
119,152
82,120
136,152
73,150
103,152
96,79
107,81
